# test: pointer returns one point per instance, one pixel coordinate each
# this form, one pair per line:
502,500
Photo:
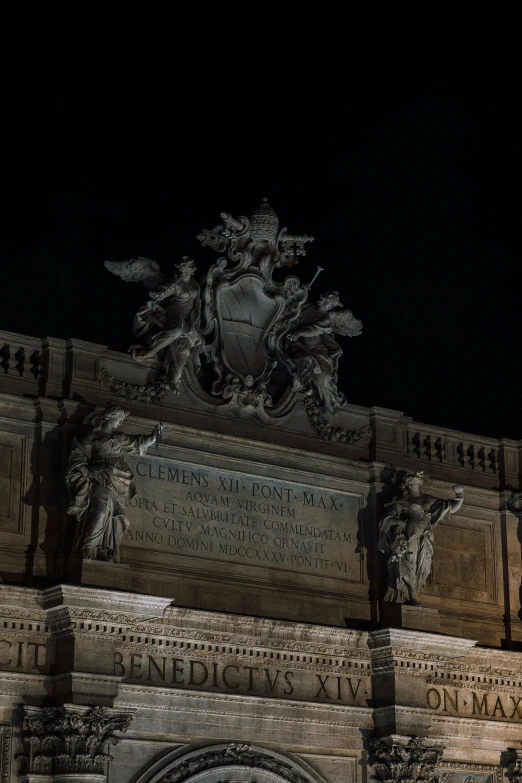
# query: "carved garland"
233,754
148,393
327,432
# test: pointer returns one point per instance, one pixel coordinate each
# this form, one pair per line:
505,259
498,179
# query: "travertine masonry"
243,635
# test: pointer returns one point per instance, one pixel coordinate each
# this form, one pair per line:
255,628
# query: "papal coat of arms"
245,341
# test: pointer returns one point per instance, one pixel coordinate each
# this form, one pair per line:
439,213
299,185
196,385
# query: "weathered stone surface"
417,618
293,699
476,575
251,548
404,758
222,517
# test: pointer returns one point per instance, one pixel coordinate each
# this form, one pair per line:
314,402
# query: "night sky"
409,183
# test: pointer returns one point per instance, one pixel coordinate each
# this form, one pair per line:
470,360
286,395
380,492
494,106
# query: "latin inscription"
475,704
254,679
22,656
248,520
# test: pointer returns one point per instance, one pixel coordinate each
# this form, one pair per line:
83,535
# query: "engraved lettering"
322,681
271,683
36,651
177,670
203,673
477,708
227,518
251,670
118,661
433,692
453,701
352,690
6,663
134,665
225,678
161,672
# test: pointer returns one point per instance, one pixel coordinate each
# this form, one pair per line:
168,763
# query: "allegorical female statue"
311,353
406,536
169,323
99,482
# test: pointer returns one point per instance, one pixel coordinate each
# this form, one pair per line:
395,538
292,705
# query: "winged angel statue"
252,321
311,353
169,322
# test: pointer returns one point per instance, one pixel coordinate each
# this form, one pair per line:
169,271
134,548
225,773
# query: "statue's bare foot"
413,602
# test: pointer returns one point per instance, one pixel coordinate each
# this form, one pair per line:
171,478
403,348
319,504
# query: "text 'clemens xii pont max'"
248,520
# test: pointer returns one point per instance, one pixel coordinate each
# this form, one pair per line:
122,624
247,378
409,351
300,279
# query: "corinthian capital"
70,739
511,760
395,759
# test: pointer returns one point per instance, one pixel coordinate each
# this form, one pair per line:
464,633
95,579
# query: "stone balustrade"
20,357
73,369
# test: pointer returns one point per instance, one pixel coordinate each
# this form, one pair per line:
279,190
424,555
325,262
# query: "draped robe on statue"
173,327
406,538
314,356
99,482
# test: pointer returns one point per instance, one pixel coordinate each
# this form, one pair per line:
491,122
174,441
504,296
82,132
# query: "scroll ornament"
249,341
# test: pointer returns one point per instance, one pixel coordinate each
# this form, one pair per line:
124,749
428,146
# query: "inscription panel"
463,561
217,515
255,677
465,552
11,455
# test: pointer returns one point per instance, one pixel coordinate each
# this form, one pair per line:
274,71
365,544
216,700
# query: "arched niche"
231,762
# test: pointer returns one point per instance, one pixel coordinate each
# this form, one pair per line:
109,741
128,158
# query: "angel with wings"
170,320
311,353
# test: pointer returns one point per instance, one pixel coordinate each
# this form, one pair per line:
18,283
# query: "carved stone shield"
246,314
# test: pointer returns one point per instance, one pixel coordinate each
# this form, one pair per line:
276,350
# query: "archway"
227,763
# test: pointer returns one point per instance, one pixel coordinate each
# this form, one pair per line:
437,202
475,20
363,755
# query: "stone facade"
242,636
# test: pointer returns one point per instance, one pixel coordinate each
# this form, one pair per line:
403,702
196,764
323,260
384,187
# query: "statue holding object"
262,340
406,536
170,320
310,352
99,482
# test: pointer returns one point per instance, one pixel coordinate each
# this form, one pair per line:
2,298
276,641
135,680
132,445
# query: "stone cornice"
135,622
448,646
119,601
299,711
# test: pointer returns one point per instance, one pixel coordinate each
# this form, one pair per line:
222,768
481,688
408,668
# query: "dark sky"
409,182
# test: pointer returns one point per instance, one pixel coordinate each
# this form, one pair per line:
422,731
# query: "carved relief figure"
406,536
169,322
311,353
99,483
252,323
